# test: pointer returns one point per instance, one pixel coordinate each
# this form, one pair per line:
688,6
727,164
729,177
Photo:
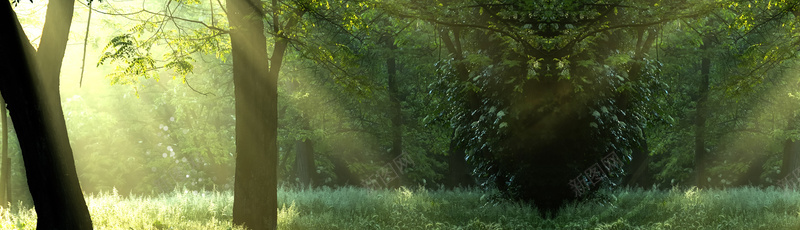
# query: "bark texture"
305,168
5,169
700,154
36,111
255,91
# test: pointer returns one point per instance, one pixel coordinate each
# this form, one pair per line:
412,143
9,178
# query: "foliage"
534,92
352,208
138,48
520,100
748,122
310,77
176,136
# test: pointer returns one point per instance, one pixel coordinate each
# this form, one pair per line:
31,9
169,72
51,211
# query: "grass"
355,208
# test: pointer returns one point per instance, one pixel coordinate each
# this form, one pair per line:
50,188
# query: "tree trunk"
458,172
752,176
636,172
9,195
791,149
395,110
700,154
305,168
53,44
458,168
344,177
304,165
255,91
41,130
4,169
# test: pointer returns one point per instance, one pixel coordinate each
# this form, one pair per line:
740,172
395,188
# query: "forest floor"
355,208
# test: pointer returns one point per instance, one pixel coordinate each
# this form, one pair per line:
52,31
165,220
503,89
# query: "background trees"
529,98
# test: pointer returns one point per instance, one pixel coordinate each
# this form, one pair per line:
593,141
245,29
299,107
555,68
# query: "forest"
400,114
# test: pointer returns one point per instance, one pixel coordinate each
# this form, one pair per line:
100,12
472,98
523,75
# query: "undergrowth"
356,208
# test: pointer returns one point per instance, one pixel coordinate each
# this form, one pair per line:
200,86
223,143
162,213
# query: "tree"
36,111
725,72
54,42
700,154
766,33
255,83
304,168
255,88
396,112
637,172
5,169
525,82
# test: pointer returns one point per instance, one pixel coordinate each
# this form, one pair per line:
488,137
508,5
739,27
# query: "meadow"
357,208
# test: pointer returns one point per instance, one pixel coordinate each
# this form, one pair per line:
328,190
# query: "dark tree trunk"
752,176
791,150
304,165
700,154
5,169
457,165
458,171
283,158
395,110
637,174
395,107
344,177
305,169
41,130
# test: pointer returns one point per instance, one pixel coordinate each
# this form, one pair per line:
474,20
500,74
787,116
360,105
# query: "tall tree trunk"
395,109
304,165
457,165
791,149
41,130
255,91
637,174
637,170
5,168
53,44
255,79
458,172
752,176
701,113
305,169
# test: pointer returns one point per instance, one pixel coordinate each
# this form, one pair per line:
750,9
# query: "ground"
357,208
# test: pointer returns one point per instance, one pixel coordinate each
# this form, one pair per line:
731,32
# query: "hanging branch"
196,91
85,42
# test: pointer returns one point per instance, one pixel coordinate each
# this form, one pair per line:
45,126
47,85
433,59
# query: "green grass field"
354,208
